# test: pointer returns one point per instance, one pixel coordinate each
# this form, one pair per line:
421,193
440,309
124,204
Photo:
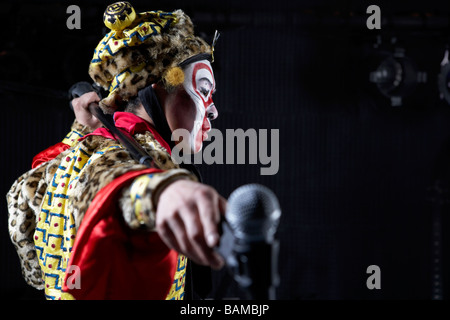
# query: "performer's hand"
81,110
187,220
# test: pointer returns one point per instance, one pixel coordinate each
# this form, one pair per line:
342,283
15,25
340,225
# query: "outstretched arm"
184,212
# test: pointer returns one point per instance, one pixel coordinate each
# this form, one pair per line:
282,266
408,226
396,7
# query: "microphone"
248,242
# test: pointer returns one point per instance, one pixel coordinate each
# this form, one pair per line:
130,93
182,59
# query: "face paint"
199,83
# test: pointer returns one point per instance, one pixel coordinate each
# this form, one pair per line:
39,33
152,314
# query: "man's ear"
161,93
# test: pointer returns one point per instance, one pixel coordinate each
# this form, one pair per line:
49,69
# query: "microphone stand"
256,269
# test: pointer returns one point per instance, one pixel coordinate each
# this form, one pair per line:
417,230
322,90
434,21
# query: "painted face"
199,83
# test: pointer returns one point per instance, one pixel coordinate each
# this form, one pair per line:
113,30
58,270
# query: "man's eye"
204,87
204,91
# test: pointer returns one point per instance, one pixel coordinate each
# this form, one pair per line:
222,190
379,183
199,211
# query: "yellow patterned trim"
137,191
55,231
145,25
118,79
176,291
72,137
128,29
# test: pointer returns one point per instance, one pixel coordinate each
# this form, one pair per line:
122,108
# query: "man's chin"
197,148
191,148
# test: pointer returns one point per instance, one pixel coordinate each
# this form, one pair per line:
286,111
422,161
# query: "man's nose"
212,112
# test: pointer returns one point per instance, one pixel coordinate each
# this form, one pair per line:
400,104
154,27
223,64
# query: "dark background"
361,182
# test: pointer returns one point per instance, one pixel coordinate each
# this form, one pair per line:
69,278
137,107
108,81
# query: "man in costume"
89,221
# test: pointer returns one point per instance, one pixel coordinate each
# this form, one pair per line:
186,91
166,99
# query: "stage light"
444,79
396,76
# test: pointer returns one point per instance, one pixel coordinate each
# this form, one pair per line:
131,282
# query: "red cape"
115,262
125,120
110,260
49,154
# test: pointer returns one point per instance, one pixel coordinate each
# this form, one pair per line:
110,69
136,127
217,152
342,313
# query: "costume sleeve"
138,201
113,263
24,199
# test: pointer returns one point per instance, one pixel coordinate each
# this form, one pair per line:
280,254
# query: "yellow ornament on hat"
119,15
174,77
128,29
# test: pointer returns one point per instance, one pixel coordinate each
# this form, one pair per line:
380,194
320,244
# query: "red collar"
132,124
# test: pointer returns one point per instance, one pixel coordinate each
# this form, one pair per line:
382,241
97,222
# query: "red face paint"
200,85
207,101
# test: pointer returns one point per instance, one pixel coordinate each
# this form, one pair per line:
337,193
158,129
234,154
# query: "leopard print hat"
142,49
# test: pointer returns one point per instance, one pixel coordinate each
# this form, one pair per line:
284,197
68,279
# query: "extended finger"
222,205
194,229
168,237
183,227
172,232
210,216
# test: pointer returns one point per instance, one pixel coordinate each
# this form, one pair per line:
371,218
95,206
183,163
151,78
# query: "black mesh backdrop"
27,129
354,172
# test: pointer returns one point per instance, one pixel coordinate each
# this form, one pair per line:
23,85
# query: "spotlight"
397,76
444,79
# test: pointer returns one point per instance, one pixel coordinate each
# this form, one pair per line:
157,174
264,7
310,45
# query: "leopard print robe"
26,194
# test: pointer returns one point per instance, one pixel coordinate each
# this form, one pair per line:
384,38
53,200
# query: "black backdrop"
360,182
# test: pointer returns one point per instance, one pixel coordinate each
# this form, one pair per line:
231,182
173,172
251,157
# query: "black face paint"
198,57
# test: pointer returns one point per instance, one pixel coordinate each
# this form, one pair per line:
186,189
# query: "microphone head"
253,213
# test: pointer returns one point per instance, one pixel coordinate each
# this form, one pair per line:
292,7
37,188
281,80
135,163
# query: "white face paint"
200,84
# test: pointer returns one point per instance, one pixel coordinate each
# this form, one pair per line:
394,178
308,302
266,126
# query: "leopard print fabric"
158,53
115,162
24,201
108,161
